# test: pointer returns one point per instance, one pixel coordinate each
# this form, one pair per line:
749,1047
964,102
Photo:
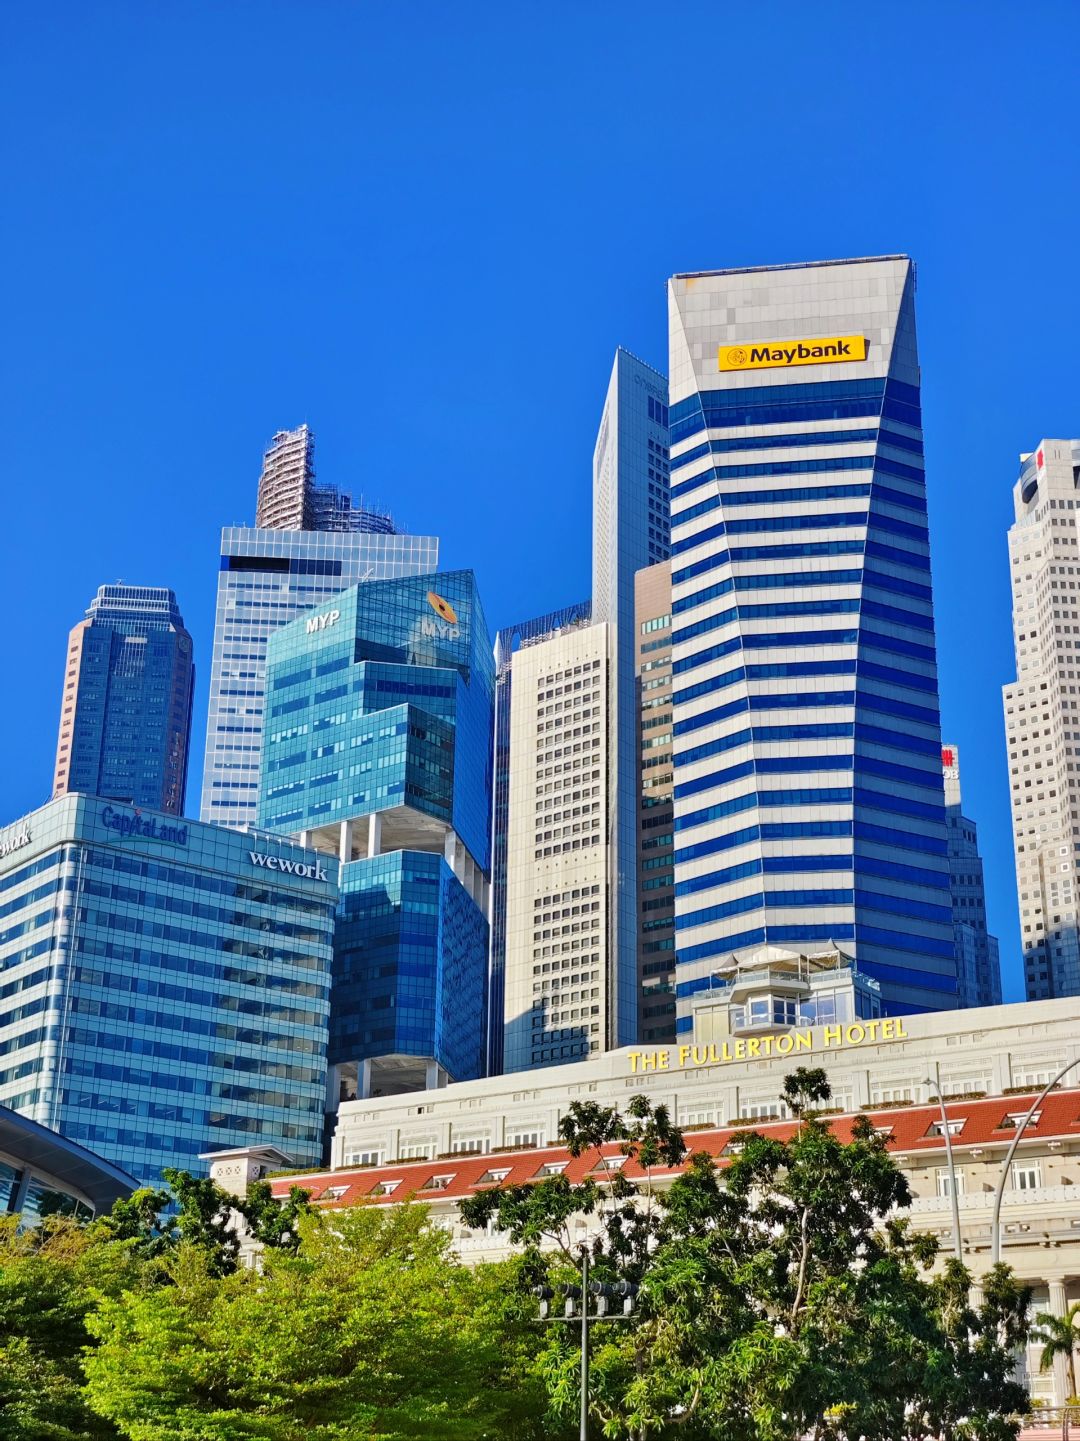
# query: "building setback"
978,965
1042,715
807,750
559,992
656,833
378,750
166,983
125,718
630,531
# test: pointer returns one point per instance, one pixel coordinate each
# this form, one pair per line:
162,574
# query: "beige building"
655,800
557,891
989,1064
1042,714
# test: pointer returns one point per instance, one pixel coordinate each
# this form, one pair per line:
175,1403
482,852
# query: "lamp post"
995,1225
936,1083
603,1293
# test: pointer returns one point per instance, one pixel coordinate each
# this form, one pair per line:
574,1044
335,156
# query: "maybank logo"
442,607
830,350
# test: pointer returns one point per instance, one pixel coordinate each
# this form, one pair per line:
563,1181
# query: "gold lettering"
887,1030
753,1046
785,1050
635,1056
727,1056
804,1041
740,1049
648,1061
834,1035
701,1056
901,1034
872,1030
766,1045
684,1055
662,1058
714,1055
856,1034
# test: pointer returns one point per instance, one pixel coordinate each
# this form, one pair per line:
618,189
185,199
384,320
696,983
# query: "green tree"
1059,1336
782,1297
368,1328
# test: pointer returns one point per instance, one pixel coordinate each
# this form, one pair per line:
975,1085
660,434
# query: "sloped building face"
807,783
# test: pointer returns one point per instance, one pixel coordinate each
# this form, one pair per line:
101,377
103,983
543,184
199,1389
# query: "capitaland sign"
757,1048
315,871
134,823
781,354
15,839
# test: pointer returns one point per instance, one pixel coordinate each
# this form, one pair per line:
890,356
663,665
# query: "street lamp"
957,1246
602,1294
995,1226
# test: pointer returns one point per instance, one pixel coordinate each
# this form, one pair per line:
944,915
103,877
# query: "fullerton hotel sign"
756,1048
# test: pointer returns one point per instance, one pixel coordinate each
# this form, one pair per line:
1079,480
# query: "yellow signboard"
755,1048
774,354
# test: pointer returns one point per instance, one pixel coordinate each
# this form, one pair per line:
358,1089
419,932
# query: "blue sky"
424,228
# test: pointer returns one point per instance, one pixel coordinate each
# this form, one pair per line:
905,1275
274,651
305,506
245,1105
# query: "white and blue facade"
630,531
164,985
808,798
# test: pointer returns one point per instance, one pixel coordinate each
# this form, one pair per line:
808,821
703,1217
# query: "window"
333,1193
364,1158
944,1183
384,1188
494,1178
1027,1176
525,1140
552,1168
470,1145
955,1127
437,1183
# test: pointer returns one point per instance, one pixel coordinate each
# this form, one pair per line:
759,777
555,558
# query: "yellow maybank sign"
830,350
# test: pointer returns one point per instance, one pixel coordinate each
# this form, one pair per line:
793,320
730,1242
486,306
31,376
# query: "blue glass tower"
809,807
125,718
378,748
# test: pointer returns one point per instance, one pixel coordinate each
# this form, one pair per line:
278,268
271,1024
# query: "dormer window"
494,1178
552,1168
937,1128
437,1183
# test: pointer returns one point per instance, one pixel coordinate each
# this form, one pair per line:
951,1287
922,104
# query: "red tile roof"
911,1129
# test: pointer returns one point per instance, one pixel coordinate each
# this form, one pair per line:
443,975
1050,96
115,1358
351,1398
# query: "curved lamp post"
957,1247
999,1196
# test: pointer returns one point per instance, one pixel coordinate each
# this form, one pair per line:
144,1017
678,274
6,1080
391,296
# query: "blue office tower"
809,807
378,749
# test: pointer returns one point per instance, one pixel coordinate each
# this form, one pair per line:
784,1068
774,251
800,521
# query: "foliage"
780,1298
1059,1336
367,1329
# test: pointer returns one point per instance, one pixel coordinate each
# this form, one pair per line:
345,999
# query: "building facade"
807,752
978,962
378,749
268,578
507,642
559,1000
289,497
630,531
43,1173
1042,715
125,720
165,983
656,816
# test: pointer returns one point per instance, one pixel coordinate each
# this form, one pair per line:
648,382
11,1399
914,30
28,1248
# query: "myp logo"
316,623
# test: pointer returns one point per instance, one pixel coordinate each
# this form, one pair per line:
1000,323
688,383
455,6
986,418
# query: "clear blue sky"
424,228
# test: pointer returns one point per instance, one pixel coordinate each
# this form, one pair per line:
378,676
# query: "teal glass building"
164,985
378,750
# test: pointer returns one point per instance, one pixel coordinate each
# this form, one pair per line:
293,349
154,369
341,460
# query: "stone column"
1058,1307
345,842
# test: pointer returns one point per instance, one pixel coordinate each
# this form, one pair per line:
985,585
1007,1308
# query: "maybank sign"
757,1048
773,354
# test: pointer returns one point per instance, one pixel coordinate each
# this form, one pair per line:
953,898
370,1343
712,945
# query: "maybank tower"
808,801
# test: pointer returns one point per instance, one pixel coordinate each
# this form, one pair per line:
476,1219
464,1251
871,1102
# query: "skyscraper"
656,821
507,642
978,966
559,991
1042,715
378,748
630,531
269,575
125,719
809,807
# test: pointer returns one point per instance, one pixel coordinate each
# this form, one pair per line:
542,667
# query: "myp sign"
152,828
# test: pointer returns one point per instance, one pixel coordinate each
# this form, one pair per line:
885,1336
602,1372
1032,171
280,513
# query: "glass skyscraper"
267,578
809,808
125,719
630,532
978,966
165,983
378,748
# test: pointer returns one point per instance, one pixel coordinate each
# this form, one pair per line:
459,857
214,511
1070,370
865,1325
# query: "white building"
1042,714
558,996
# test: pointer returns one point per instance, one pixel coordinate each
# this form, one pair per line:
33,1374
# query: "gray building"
978,965
631,530
43,1173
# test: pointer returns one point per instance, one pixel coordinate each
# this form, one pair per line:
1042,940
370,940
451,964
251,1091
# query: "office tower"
269,575
177,1000
559,991
978,966
507,641
809,806
125,719
656,824
630,532
1042,720
378,748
